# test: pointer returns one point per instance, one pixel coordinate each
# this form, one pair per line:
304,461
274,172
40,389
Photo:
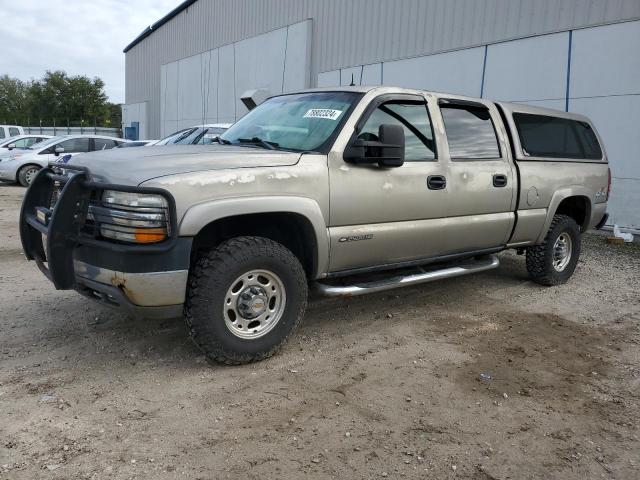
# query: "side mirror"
11,146
387,151
58,150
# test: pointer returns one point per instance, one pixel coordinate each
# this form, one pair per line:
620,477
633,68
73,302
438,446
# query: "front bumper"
144,280
127,291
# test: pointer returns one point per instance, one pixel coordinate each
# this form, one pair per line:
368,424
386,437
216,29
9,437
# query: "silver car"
22,165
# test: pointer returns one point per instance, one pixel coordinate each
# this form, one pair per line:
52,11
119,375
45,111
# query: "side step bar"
479,264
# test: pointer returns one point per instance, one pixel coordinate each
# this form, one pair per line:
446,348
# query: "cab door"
482,179
385,216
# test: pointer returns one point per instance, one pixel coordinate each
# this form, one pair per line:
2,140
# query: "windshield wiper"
221,141
261,142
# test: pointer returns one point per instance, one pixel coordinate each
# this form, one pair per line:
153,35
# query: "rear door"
481,177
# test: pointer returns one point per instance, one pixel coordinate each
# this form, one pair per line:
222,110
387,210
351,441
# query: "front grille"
63,209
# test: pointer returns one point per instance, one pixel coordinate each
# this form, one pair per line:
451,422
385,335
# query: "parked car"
197,135
7,131
22,141
138,143
357,190
23,165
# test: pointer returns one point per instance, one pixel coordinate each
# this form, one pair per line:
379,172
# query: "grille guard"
61,226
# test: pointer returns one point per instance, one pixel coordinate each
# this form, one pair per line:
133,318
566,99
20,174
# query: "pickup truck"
348,190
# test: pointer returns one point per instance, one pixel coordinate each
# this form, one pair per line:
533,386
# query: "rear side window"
470,132
103,144
553,137
75,145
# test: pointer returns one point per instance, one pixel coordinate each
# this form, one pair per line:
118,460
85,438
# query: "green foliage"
57,99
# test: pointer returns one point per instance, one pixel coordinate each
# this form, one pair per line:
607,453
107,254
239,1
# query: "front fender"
202,214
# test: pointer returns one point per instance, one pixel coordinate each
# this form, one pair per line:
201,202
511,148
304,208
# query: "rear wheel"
26,174
245,298
554,261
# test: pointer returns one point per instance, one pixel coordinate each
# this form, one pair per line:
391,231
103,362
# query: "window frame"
461,104
397,97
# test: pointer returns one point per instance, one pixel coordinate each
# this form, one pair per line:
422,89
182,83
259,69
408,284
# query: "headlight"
131,217
128,199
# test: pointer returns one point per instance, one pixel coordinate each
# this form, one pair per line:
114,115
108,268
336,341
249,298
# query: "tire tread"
538,256
212,264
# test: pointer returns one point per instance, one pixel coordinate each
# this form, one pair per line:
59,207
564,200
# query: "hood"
132,166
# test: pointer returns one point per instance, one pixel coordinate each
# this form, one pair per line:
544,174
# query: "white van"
7,131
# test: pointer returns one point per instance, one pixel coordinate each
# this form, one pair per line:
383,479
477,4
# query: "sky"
81,37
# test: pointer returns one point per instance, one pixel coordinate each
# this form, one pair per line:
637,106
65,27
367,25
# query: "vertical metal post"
567,93
484,69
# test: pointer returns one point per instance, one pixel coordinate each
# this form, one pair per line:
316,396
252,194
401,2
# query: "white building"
583,56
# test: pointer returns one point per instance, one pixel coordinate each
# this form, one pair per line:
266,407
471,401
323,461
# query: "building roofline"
153,27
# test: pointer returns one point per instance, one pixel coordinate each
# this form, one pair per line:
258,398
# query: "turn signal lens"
150,235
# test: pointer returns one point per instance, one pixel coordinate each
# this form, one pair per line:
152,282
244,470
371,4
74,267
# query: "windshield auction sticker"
326,113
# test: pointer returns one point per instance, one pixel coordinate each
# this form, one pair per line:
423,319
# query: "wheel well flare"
292,230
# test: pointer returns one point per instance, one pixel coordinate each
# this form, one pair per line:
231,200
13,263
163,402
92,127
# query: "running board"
480,264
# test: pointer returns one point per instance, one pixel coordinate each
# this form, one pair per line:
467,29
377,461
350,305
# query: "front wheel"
553,261
26,174
245,298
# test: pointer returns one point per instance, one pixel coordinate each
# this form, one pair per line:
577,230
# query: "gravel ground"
481,377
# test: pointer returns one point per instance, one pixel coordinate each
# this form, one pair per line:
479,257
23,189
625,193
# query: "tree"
13,99
115,115
57,98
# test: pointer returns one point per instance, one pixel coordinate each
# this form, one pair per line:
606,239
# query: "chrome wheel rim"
30,174
254,304
562,250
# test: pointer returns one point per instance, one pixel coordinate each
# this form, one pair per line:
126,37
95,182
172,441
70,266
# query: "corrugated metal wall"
356,32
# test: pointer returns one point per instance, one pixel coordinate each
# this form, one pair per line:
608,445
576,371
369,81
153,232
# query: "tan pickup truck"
350,190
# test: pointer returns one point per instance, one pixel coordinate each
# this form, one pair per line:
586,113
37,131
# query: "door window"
13,132
1,132
23,142
414,119
470,132
103,144
74,145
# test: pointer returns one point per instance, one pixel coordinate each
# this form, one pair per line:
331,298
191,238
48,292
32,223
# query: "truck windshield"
299,122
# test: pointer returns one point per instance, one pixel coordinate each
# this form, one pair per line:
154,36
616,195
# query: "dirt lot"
377,386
